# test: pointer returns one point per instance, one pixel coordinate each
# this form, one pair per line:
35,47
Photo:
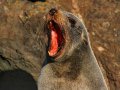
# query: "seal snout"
53,11
56,33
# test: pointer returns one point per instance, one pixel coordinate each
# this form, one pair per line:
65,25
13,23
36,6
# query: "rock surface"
21,41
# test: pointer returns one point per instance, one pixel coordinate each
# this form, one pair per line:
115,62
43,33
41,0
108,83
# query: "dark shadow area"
17,80
48,60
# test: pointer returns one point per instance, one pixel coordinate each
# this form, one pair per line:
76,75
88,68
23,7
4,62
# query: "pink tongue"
54,42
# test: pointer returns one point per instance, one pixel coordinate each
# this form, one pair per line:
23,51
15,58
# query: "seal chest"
74,65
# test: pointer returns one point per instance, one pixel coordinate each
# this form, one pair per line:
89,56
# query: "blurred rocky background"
20,47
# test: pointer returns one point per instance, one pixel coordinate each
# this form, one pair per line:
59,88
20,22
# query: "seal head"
64,33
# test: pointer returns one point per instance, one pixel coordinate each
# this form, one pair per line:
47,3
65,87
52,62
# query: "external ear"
85,37
85,42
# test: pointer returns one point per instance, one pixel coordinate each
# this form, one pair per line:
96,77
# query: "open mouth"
57,40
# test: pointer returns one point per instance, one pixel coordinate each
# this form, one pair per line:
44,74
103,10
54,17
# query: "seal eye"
56,38
72,21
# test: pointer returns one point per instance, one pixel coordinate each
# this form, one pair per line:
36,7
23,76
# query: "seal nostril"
52,11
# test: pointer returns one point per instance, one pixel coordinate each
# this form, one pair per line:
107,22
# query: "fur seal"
74,66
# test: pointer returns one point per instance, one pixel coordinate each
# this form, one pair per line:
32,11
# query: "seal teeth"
50,23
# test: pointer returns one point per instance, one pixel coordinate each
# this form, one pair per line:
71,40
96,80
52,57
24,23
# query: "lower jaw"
58,53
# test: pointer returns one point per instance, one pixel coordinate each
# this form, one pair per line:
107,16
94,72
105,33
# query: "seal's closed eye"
72,21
